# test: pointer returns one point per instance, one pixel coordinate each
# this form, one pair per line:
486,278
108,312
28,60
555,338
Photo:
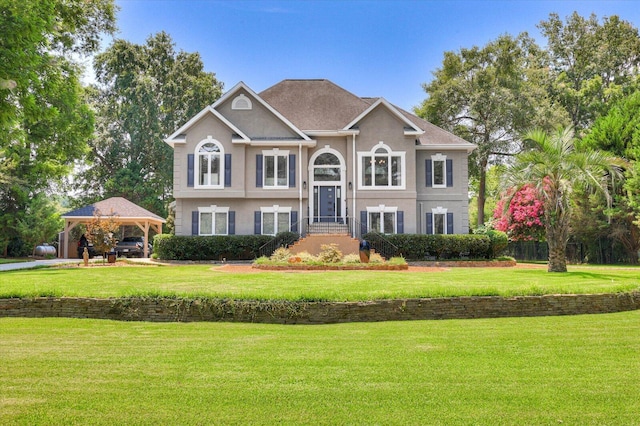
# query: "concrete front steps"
312,243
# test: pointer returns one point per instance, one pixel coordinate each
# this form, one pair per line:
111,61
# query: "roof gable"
410,127
178,135
241,86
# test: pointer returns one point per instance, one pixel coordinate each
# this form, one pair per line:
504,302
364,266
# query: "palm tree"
554,165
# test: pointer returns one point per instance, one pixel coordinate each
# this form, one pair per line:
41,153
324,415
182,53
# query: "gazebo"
125,213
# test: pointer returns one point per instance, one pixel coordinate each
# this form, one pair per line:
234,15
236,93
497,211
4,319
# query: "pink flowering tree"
522,221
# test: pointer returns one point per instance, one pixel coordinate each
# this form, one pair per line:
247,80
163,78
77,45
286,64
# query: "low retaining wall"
283,312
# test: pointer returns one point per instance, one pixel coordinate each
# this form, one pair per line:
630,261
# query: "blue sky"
371,48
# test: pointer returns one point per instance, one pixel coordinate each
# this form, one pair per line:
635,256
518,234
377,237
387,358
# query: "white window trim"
439,211
443,158
196,165
274,153
274,209
213,209
390,153
383,209
241,102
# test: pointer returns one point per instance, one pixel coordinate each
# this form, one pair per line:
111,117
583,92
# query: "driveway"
33,264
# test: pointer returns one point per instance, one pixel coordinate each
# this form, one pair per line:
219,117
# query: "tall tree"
618,132
44,119
489,96
145,92
592,63
555,167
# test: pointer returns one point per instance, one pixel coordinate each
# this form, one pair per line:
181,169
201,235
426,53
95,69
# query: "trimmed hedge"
441,247
219,247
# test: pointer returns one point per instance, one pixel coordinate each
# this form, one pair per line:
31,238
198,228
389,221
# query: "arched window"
382,168
241,102
210,158
326,167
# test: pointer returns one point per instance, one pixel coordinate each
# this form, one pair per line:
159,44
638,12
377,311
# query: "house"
305,155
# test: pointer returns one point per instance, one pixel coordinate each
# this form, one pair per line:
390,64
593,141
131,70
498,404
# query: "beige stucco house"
305,154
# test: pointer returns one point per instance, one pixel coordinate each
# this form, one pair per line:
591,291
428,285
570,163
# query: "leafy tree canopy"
44,119
490,95
593,63
145,92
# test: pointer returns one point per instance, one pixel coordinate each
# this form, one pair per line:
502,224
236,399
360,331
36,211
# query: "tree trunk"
482,192
557,256
557,231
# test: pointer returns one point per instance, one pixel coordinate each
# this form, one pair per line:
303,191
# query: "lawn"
580,370
12,260
213,281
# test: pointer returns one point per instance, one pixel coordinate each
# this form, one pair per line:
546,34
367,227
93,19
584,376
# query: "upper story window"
439,171
276,169
210,163
382,168
241,102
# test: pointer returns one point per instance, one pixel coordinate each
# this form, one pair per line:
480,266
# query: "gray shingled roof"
323,105
119,206
314,104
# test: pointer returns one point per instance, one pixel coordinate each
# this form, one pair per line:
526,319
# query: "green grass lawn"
210,281
12,260
572,370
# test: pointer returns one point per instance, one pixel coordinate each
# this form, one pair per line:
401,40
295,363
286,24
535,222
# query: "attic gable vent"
241,102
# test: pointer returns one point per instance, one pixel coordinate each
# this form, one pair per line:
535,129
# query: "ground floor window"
275,219
439,221
213,220
382,219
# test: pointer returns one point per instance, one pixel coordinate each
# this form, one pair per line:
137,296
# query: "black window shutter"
292,170
428,172
259,171
232,223
194,222
294,221
400,219
190,173
449,173
363,222
449,223
257,223
227,170
429,223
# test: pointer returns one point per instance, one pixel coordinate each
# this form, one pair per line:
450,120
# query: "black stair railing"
348,225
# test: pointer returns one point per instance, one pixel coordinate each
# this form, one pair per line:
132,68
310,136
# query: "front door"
327,203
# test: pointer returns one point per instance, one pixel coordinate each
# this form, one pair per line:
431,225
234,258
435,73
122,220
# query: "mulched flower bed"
355,267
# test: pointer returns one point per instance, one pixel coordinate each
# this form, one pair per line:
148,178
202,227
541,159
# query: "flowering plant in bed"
330,257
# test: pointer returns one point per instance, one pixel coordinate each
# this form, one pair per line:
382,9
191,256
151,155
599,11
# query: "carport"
125,213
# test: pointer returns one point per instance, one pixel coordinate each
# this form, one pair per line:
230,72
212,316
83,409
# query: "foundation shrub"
307,257
229,247
330,253
280,255
421,247
351,258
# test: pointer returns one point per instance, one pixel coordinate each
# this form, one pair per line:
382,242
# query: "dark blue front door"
327,204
